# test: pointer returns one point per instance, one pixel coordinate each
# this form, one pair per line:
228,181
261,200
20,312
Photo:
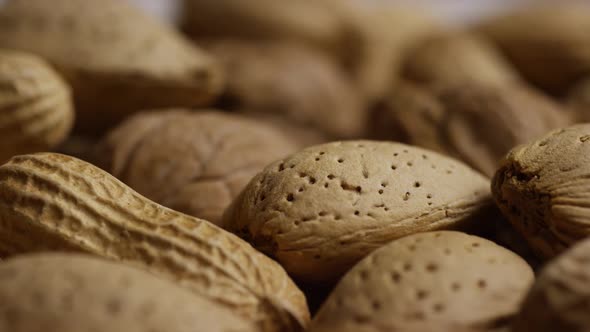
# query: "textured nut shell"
36,105
559,299
287,80
196,163
55,202
548,44
579,101
430,279
117,59
72,293
478,124
543,189
459,59
324,208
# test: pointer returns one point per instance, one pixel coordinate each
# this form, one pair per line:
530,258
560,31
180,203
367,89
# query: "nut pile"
328,165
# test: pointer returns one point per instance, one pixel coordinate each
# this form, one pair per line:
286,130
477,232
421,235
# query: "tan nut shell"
559,299
117,59
196,163
433,279
475,123
543,188
73,293
35,103
549,44
291,82
324,208
55,202
459,58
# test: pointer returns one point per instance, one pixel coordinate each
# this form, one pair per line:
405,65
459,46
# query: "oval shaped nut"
543,188
292,82
36,105
107,49
321,210
462,58
558,300
72,293
52,202
196,162
433,279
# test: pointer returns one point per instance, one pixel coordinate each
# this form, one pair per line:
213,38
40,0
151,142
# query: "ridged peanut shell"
543,189
55,202
73,293
36,105
196,162
321,210
430,280
558,301
117,59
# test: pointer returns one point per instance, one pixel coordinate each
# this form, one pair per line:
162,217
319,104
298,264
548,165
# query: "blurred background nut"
196,163
579,101
116,59
36,105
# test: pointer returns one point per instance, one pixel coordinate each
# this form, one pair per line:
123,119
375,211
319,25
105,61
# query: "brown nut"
475,123
542,188
324,208
196,163
559,299
434,279
73,293
35,102
290,82
52,202
116,59
578,100
548,44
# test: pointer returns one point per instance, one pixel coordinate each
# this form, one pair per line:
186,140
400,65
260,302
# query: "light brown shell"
116,59
290,82
433,279
559,299
36,105
475,123
543,188
73,293
459,58
54,202
196,162
578,100
549,44
324,208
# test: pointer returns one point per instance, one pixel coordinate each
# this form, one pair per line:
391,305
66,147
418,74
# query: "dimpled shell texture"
73,293
559,299
36,105
116,59
53,202
433,279
196,162
324,208
543,188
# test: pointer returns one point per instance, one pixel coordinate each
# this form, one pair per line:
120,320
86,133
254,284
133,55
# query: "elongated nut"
322,209
543,189
55,202
73,293
36,105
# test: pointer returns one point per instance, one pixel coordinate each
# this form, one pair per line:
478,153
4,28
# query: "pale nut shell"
324,208
73,293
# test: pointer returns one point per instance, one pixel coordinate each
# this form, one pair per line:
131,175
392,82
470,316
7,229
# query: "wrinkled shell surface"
55,202
559,299
36,105
196,163
73,293
324,208
430,279
543,189
116,59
